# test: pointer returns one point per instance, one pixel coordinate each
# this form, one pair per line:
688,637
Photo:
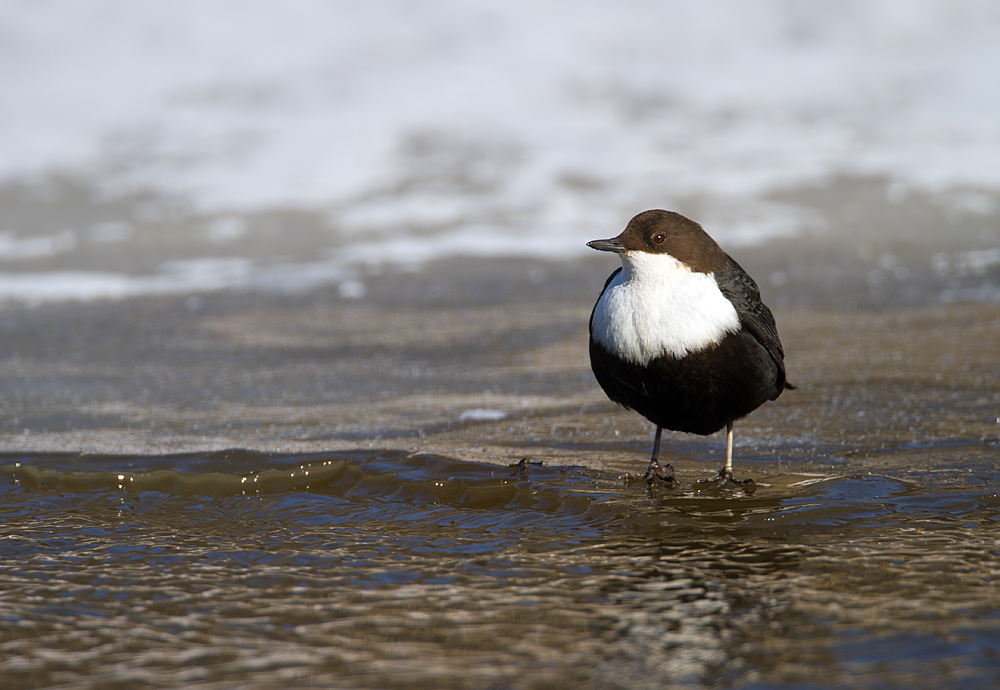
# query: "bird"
680,335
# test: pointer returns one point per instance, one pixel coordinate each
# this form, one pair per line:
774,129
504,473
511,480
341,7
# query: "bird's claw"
656,474
726,480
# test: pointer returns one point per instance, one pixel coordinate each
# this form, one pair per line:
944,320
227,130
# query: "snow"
539,125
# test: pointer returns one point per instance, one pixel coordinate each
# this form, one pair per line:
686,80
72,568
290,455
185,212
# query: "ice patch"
177,278
13,248
226,229
965,264
351,289
479,414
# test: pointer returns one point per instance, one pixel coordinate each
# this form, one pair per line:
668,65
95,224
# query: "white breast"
658,306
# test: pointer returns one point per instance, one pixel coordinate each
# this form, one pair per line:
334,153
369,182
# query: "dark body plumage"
703,390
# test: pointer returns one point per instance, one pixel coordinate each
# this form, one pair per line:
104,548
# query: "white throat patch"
659,306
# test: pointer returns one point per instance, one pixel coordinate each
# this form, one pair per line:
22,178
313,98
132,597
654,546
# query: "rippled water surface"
388,569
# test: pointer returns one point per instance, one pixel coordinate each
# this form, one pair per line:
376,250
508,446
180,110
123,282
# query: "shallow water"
413,555
384,569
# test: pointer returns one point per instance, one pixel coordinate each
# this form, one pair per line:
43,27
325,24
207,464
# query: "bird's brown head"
666,232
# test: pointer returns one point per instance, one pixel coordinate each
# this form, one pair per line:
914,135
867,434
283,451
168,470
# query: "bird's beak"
612,245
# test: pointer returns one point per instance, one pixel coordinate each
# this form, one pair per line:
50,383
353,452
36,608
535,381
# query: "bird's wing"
757,319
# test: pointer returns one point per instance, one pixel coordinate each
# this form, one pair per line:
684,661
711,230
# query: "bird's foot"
656,475
725,480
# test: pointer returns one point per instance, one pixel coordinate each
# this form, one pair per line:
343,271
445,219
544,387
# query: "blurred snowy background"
165,147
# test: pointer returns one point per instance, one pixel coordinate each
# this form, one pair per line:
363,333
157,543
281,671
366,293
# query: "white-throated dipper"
679,334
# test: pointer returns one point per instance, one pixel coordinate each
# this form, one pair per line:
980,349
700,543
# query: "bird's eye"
658,239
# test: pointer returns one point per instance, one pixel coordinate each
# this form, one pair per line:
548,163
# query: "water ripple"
388,569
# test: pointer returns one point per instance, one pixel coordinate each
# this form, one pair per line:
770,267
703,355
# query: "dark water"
385,569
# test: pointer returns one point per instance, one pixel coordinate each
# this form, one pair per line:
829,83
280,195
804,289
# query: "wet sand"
141,550
481,360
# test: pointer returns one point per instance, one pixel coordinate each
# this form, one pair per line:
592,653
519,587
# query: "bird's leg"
726,473
654,471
